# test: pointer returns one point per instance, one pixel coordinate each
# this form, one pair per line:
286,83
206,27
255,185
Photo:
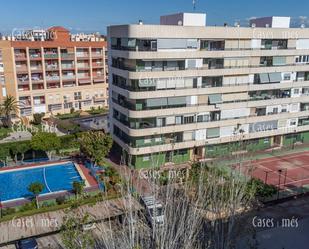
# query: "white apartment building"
183,91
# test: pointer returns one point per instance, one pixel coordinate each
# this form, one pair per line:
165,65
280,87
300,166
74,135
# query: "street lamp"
280,171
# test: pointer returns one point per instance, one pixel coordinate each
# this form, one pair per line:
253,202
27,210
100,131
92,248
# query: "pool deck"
91,183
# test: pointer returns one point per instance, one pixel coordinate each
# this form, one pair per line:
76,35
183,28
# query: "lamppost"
0,206
279,171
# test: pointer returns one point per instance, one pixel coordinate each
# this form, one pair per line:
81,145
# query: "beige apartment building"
183,91
51,71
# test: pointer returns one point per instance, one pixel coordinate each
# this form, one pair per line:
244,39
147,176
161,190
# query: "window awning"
215,99
275,77
177,101
279,60
213,132
156,102
264,78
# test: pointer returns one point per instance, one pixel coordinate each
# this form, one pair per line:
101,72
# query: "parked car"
27,244
154,210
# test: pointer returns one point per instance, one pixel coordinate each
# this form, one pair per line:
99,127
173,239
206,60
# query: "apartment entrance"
198,153
277,140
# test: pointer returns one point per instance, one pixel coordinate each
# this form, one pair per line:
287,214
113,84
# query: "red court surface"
286,171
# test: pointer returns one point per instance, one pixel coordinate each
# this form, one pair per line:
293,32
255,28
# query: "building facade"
52,72
182,92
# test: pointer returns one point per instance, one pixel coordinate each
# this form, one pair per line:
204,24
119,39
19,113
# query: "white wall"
281,22
184,19
194,19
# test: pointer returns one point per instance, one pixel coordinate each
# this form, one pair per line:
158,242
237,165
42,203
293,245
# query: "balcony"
97,64
26,112
22,68
69,84
51,67
83,66
51,56
25,102
36,68
35,56
20,56
98,79
97,54
23,79
85,80
37,86
53,85
67,66
51,77
68,77
37,78
212,45
82,55
23,87
65,56
54,107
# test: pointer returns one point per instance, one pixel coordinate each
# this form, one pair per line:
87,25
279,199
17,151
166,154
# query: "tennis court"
287,172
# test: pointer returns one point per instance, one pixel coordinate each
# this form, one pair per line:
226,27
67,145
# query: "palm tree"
8,108
36,188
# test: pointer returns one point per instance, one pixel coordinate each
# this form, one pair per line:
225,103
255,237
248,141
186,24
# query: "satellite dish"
179,23
253,25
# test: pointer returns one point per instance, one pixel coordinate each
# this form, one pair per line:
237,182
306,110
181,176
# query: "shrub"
37,118
60,200
8,211
262,190
28,206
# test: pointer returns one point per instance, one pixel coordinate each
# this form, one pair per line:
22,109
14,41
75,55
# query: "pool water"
14,184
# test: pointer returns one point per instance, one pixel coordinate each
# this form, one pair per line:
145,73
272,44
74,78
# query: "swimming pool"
58,177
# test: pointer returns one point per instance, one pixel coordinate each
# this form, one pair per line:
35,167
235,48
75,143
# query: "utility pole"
194,5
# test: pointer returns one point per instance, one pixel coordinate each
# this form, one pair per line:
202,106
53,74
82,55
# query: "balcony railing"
67,56
35,56
68,77
51,56
52,78
67,66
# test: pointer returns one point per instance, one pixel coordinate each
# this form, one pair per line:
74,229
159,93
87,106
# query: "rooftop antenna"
194,5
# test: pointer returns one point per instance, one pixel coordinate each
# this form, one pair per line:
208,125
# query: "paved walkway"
45,223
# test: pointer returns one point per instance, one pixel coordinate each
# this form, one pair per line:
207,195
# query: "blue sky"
95,15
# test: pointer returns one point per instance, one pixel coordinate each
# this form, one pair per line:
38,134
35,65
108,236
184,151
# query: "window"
202,118
286,76
188,119
178,119
77,95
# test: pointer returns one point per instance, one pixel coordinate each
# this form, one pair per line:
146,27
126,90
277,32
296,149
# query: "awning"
213,132
177,101
215,99
275,77
264,78
156,102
